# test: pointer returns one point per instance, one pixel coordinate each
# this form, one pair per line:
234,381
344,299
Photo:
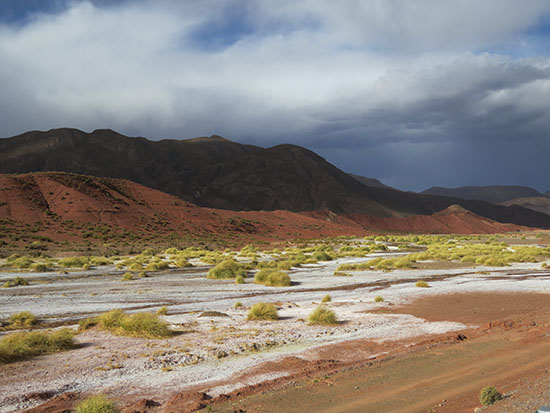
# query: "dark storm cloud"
399,90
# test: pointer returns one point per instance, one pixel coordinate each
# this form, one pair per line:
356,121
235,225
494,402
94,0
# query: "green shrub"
23,319
239,279
238,304
18,346
263,311
489,395
162,310
422,284
322,315
137,325
15,283
227,269
326,299
379,299
272,278
96,404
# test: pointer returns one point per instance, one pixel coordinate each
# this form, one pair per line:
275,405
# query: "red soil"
52,198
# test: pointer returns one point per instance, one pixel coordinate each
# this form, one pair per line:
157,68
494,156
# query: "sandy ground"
228,355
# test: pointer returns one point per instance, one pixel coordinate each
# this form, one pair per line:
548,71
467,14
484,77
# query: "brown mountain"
493,193
370,181
218,173
536,203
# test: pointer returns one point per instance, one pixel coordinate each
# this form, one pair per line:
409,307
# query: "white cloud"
313,72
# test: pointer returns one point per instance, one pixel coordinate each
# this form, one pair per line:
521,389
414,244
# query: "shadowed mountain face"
494,193
222,174
370,181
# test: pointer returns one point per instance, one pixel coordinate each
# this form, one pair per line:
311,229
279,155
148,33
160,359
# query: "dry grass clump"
96,404
227,269
263,311
162,310
379,299
238,304
272,278
341,274
127,276
23,319
146,325
18,346
326,299
73,262
422,284
15,283
322,315
239,279
489,395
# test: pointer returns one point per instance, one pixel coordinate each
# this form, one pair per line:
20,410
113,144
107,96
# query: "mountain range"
217,173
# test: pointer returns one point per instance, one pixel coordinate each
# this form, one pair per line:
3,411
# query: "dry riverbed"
222,353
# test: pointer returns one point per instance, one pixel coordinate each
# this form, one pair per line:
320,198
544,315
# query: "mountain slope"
62,207
370,181
494,193
539,203
218,173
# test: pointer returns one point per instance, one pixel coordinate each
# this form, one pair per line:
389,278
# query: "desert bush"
142,274
342,274
127,276
162,310
18,346
322,315
137,325
22,319
326,299
87,323
263,311
489,395
15,282
157,266
227,269
422,284
96,404
73,262
239,280
39,267
272,278
379,299
238,304
21,262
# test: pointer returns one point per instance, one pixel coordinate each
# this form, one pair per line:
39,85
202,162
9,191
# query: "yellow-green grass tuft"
326,299
379,299
96,404
422,284
17,346
227,269
146,325
263,311
322,315
18,281
489,395
22,319
272,278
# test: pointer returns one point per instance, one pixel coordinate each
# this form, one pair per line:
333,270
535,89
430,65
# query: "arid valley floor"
395,347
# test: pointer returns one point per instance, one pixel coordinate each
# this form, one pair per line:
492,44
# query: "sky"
416,93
